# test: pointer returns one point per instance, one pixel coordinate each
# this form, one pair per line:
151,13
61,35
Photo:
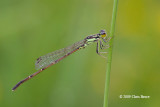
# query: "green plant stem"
109,55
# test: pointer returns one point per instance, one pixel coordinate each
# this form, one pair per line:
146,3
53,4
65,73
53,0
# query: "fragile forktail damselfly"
52,58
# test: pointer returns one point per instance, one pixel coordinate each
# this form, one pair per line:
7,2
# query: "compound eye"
103,33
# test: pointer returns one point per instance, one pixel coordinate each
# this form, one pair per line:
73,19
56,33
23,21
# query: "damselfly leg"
102,46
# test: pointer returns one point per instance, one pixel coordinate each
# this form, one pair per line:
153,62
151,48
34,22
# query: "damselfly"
52,58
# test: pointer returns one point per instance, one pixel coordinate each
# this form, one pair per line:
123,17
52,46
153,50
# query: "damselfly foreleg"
97,50
108,39
102,46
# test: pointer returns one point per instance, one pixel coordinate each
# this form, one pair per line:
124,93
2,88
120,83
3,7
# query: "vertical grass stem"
109,55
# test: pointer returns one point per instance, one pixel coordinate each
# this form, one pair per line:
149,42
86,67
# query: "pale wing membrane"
49,58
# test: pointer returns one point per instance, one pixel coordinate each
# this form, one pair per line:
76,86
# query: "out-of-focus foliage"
31,28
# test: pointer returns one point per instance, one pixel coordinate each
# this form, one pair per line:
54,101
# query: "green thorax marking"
90,41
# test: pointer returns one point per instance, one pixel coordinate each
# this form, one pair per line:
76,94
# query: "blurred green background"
31,28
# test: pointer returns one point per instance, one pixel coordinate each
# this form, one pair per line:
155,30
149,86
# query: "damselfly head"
103,33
